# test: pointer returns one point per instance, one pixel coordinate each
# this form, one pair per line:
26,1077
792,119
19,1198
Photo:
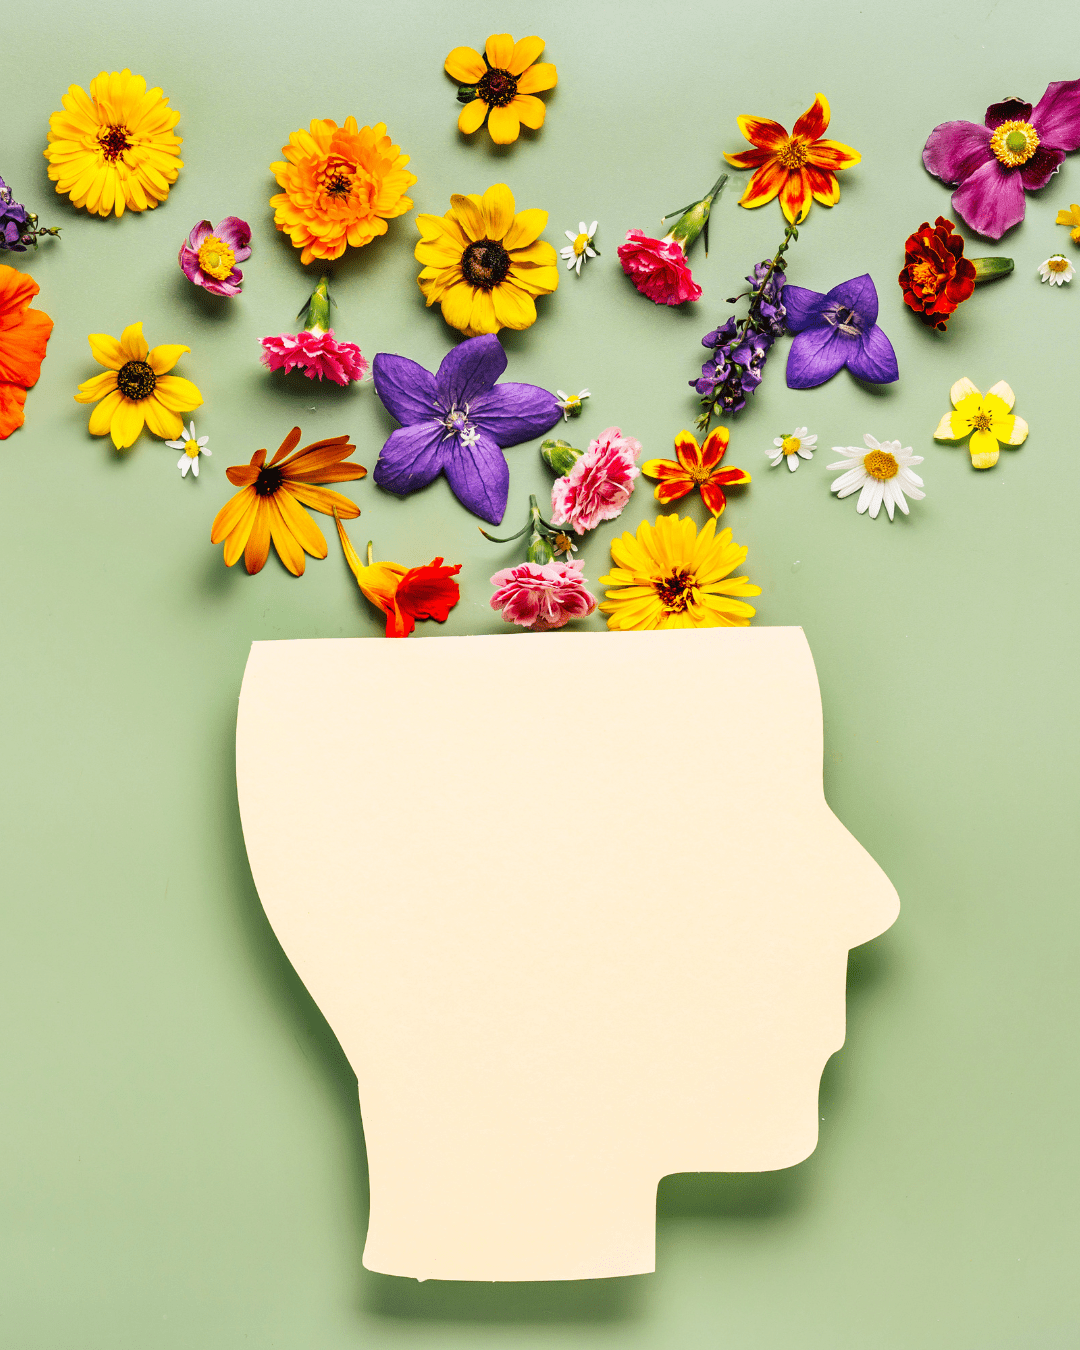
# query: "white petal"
570,235
584,393
562,394
778,440
592,228
809,440
792,462
581,227
176,445
915,494
803,453
195,467
590,252
773,462
906,476
202,442
845,463
871,442
205,451
182,464
800,432
857,475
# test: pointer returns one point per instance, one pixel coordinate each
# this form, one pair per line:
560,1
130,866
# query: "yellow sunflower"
669,576
501,85
484,263
114,147
136,388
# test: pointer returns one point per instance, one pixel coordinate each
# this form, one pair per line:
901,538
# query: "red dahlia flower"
937,278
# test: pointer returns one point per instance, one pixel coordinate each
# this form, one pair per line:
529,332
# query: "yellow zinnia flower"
135,388
501,85
114,147
484,263
670,576
987,418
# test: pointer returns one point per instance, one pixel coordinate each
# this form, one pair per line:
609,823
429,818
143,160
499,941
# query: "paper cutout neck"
556,986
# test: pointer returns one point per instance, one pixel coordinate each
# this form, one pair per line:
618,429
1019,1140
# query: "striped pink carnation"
317,354
600,483
542,595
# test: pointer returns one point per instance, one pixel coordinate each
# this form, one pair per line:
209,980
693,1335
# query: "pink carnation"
600,483
542,595
316,353
658,268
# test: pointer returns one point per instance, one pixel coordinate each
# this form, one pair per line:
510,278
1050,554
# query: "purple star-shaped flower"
457,422
836,330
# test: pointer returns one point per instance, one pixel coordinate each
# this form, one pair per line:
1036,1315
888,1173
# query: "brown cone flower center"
136,380
269,481
113,142
497,88
485,264
674,591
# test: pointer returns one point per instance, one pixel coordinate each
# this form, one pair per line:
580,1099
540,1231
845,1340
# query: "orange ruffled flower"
404,594
801,167
697,466
506,84
268,505
341,186
24,334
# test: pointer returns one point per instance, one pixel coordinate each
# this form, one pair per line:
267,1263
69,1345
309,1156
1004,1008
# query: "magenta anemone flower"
1016,150
209,255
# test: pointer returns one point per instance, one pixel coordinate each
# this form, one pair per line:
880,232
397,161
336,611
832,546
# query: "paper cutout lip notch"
536,1046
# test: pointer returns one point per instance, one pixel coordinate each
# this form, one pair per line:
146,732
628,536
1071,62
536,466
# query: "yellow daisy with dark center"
136,389
501,86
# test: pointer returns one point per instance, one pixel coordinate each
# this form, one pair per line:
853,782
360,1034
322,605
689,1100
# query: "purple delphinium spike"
209,255
19,227
836,330
457,422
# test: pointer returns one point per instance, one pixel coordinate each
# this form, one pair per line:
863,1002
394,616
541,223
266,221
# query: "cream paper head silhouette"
577,911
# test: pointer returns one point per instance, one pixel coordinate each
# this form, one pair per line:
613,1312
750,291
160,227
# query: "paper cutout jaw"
553,998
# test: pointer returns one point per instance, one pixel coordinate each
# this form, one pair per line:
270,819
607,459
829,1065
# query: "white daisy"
1057,270
561,543
798,445
192,449
883,472
580,248
571,403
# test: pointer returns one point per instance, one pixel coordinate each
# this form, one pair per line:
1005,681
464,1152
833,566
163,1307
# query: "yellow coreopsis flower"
484,264
501,85
1071,217
136,388
670,576
987,418
114,148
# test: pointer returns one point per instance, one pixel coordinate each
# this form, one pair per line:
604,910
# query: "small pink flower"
542,595
600,483
658,268
209,255
316,353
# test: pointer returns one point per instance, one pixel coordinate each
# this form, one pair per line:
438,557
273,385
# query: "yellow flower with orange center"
136,388
501,85
340,187
1071,217
987,418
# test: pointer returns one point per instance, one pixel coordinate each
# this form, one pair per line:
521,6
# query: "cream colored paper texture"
561,965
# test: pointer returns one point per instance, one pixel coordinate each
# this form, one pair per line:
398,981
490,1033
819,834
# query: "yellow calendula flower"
1071,217
114,148
501,85
670,576
136,388
484,264
987,418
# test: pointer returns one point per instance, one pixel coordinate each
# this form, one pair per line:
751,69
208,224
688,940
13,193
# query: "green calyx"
695,218
560,456
466,93
316,313
986,269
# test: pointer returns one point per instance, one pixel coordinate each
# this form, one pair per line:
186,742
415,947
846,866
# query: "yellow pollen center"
191,449
1014,143
700,475
981,421
1058,263
216,259
880,464
791,445
924,275
580,244
792,155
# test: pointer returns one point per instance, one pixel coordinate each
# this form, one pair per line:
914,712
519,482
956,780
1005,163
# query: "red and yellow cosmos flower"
801,167
696,466
501,85
404,594
24,333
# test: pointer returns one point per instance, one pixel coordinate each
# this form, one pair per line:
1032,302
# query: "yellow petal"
106,351
1002,391
471,117
500,50
176,393
133,344
497,205
952,427
503,125
457,305
1010,430
538,78
526,229
96,387
469,215
162,359
960,390
168,425
984,450
465,65
126,424
970,406
482,317
525,52
529,110
102,416
513,307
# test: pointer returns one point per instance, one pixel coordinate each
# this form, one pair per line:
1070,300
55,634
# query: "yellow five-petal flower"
1071,217
987,418
506,81
136,388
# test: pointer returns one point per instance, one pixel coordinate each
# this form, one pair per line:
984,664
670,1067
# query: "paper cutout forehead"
577,911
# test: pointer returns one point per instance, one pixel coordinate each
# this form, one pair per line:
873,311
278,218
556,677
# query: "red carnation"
658,268
936,277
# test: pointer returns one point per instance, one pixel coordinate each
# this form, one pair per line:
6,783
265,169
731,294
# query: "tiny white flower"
571,403
562,544
580,248
793,447
192,447
883,472
1057,270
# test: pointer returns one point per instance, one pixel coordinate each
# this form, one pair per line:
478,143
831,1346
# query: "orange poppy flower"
404,594
697,466
24,334
801,167
268,505
501,85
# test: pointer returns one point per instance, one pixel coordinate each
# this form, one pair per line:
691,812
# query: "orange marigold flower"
404,594
501,85
801,167
24,333
341,185
697,466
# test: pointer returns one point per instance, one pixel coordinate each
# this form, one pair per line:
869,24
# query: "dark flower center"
269,481
136,380
336,176
840,316
497,88
674,591
114,142
485,264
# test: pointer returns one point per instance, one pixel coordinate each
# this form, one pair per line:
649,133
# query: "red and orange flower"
404,594
696,466
24,334
937,278
801,168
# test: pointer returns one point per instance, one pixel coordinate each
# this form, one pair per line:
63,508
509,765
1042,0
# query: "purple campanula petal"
1056,116
860,295
991,201
478,476
411,457
875,360
469,370
816,355
803,307
954,150
1008,110
1040,168
511,413
237,234
407,390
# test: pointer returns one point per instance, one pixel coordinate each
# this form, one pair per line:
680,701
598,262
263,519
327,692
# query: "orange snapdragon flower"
404,594
801,167
24,333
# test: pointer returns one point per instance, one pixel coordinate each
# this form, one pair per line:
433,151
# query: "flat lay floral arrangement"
484,264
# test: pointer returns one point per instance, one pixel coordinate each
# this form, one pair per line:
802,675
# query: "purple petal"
189,261
1040,168
816,355
407,390
470,370
1009,110
803,307
237,234
860,295
479,477
991,201
200,232
1057,115
954,150
411,457
875,360
512,413
230,286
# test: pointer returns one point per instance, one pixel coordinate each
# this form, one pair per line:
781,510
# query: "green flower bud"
560,456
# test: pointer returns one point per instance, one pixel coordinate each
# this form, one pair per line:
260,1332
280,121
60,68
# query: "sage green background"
182,1156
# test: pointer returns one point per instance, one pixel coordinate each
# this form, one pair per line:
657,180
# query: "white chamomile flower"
1057,270
883,472
571,403
192,449
793,447
580,248
562,544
